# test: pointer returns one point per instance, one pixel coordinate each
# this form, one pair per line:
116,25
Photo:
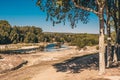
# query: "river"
52,47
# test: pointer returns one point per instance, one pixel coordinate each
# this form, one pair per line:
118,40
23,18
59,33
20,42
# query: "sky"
25,12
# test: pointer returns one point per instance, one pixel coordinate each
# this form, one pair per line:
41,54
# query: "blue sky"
25,12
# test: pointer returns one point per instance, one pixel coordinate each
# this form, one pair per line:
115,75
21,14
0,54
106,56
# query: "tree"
116,19
113,15
108,8
5,29
14,35
30,38
74,10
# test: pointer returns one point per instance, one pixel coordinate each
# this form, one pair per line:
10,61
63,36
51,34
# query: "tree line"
18,34
32,34
79,40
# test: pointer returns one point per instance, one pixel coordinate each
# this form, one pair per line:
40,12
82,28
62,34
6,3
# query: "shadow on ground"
77,64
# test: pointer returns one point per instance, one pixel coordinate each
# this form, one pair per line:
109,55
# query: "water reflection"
52,47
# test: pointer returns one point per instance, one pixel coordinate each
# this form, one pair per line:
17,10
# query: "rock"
11,63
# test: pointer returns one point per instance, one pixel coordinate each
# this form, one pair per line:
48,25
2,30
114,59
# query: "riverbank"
69,64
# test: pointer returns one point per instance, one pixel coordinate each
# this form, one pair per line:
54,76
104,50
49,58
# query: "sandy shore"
69,64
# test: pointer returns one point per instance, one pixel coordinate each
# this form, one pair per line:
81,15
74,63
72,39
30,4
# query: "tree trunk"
115,59
116,50
100,5
109,51
101,46
109,46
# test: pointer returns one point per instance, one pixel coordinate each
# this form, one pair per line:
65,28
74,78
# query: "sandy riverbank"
69,64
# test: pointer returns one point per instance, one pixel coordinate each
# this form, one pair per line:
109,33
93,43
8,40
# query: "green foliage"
83,40
59,11
30,38
32,34
5,29
17,34
14,35
80,40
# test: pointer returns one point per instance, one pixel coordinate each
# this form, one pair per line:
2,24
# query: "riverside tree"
108,9
77,10
5,29
113,20
18,34
115,13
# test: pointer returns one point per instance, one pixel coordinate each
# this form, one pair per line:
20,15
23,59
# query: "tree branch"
84,8
103,5
97,2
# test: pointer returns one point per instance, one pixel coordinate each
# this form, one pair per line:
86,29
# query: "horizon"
30,15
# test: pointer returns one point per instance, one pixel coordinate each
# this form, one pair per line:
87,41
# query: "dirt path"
61,65
49,74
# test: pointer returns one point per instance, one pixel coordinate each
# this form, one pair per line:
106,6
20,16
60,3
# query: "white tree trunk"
115,59
101,51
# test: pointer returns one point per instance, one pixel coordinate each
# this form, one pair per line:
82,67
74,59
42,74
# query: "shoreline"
41,64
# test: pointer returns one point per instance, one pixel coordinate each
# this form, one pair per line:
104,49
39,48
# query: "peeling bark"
101,48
